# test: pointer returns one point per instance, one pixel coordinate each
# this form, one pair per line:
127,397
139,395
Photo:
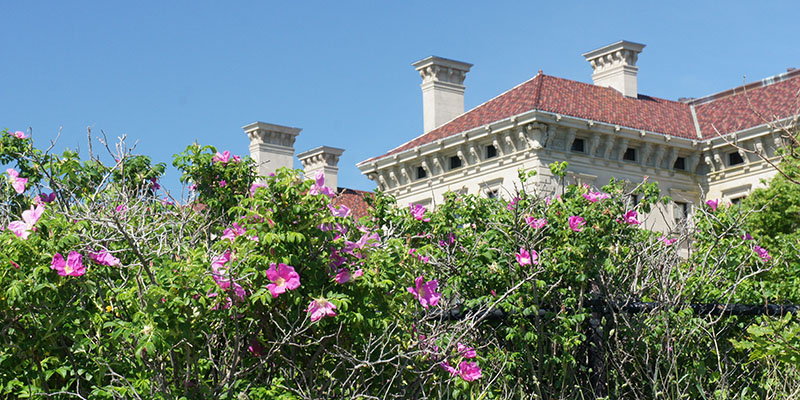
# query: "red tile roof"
751,105
727,112
354,200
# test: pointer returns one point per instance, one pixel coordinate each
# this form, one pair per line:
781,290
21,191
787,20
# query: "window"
421,172
455,162
737,200
491,151
630,154
735,158
634,199
492,194
680,163
577,146
681,211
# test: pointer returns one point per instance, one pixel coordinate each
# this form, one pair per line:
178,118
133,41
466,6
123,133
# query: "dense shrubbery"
264,289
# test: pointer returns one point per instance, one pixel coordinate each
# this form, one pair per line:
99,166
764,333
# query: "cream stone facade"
689,164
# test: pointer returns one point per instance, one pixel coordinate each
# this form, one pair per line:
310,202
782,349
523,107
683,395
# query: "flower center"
67,269
280,281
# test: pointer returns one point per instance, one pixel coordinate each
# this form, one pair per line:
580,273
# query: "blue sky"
171,73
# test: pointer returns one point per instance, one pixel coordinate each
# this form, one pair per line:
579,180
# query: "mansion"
716,146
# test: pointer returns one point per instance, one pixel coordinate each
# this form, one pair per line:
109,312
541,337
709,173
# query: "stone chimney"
614,66
271,146
442,89
325,159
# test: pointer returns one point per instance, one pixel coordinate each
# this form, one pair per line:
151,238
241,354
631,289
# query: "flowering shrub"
258,287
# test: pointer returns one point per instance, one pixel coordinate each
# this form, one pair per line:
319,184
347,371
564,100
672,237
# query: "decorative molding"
609,145
594,143
647,149
571,133
551,135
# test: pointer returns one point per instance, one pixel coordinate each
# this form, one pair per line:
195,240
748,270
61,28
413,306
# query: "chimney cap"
441,61
264,126
320,150
608,49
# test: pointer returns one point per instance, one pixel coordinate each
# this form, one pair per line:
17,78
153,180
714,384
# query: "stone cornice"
522,134
322,156
264,133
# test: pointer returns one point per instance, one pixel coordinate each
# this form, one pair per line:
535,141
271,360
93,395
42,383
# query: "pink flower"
667,241
762,252
154,184
283,279
576,222
630,218
72,267
747,236
469,371
344,275
29,218
536,223
255,347
16,182
452,371
223,157
467,352
321,308
594,197
219,271
319,186
418,212
512,203
449,239
713,204
48,198
255,187
234,232
343,211
366,239
103,257
121,209
526,258
222,183
425,292
19,135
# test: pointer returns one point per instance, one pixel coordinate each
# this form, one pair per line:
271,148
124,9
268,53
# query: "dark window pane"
735,158
630,155
491,151
577,145
680,163
421,173
455,162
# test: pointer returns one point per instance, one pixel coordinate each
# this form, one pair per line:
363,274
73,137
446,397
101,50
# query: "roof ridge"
768,81
389,152
539,90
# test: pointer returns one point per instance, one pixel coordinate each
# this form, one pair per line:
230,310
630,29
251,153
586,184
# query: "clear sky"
168,73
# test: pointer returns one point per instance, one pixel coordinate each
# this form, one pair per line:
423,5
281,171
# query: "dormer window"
455,162
680,163
630,154
735,158
421,172
577,146
491,151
